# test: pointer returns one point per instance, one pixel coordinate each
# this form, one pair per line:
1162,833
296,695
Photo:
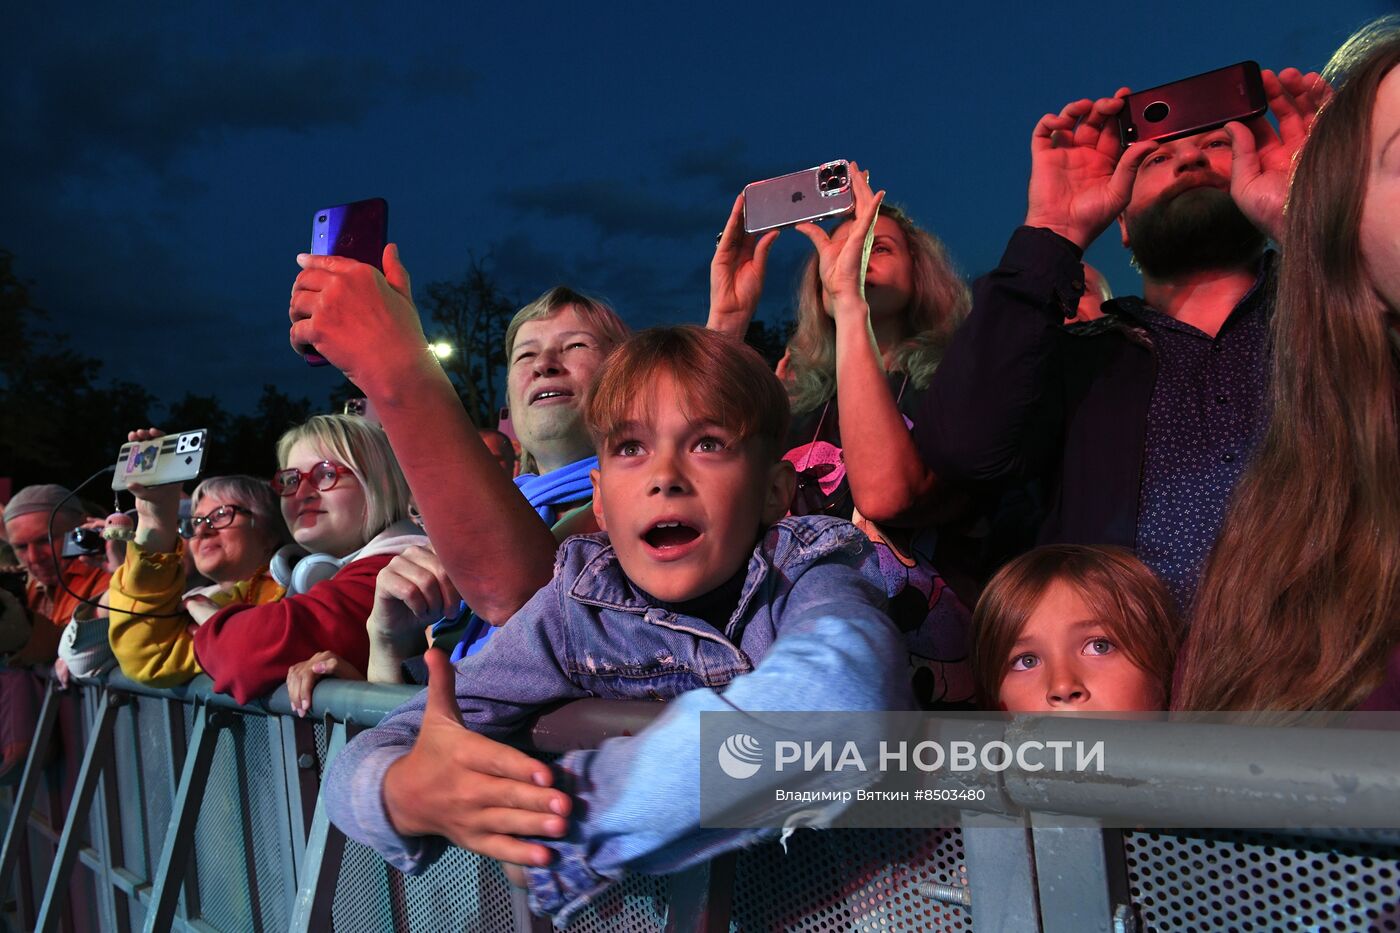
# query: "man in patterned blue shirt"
1138,423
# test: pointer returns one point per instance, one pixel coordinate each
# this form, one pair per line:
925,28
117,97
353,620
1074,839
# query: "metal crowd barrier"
193,813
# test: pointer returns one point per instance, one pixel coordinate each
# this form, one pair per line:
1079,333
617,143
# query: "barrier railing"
189,811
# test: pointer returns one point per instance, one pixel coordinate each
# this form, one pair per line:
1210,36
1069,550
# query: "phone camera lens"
321,219
1156,111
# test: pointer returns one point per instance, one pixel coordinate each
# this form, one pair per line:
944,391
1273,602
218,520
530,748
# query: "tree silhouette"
57,424
471,315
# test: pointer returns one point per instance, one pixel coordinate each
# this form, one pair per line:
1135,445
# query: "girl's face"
1380,214
329,521
1064,660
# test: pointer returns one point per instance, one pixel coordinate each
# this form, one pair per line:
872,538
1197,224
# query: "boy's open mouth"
670,534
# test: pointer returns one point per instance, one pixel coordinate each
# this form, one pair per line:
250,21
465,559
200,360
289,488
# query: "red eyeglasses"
323,476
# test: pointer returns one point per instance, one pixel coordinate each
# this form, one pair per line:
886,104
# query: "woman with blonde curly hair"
877,303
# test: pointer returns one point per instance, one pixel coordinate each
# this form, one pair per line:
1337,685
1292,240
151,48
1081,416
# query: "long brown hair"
1134,606
940,301
1300,602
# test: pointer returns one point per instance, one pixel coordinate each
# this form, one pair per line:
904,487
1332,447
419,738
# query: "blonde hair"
939,303
362,446
722,380
596,313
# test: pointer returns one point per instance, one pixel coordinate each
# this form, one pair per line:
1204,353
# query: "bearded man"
1137,424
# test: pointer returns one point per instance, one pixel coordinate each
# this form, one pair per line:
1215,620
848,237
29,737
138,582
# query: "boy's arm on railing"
497,690
637,799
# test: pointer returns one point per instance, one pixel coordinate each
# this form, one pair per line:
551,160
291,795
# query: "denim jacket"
809,633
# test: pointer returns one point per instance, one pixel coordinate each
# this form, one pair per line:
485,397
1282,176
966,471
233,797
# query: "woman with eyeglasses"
345,503
232,531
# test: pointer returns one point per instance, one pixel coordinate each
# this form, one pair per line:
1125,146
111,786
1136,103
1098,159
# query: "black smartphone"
1193,105
357,230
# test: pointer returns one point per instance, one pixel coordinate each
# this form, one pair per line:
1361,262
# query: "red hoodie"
247,649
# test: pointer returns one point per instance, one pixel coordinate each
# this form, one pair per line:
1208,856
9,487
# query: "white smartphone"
172,458
811,194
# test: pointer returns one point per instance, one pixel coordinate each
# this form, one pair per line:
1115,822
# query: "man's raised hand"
1081,179
1263,159
362,321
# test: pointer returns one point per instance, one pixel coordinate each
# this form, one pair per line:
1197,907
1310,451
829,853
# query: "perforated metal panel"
637,905
242,849
319,734
842,880
1238,882
158,771
461,891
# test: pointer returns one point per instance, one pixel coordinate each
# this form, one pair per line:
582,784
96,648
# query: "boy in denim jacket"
698,592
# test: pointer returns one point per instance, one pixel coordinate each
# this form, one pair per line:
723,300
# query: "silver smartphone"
811,194
172,458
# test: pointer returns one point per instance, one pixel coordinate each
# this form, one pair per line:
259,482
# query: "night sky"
160,169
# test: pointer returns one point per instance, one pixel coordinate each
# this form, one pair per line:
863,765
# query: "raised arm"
736,274
889,480
1081,179
1263,157
993,407
494,546
148,630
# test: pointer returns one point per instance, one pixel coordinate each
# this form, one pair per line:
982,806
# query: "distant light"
441,349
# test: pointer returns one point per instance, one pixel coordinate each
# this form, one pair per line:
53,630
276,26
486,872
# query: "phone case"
358,230
173,458
811,194
1193,105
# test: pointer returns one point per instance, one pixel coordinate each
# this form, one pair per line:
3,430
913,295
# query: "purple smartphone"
358,231
1193,105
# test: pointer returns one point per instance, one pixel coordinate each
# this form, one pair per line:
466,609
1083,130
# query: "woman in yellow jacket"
235,527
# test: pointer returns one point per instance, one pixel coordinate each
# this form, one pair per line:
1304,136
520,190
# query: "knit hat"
40,499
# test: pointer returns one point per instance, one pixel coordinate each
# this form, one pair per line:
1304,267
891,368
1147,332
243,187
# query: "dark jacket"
1018,395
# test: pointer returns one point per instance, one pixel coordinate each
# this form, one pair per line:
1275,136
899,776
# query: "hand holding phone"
1081,178
358,230
1262,157
170,458
842,266
799,197
1198,104
362,320
736,274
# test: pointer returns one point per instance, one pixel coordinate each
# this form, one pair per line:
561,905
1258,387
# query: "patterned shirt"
1209,410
